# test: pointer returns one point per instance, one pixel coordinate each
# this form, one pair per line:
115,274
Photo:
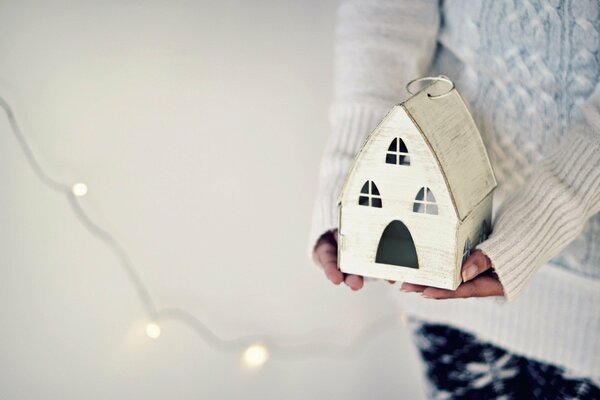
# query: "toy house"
418,197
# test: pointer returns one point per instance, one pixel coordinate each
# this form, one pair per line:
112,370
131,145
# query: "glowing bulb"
79,189
152,330
256,355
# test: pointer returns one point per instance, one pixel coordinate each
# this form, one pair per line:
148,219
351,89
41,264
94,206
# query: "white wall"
198,127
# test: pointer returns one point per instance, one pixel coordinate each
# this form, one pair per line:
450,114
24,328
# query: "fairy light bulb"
79,189
256,355
152,330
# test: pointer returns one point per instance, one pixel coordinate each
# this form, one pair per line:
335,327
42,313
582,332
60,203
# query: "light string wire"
274,344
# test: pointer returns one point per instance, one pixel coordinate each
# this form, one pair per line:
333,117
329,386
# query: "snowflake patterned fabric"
459,366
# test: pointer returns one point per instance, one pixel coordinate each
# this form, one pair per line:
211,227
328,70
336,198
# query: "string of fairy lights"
255,350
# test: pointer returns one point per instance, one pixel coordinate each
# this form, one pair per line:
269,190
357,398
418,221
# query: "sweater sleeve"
380,46
546,213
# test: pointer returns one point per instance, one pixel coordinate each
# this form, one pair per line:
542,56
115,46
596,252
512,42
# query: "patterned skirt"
459,366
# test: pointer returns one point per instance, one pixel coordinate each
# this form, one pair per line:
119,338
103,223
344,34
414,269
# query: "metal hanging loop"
442,78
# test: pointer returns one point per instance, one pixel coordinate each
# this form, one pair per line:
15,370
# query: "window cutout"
397,153
421,194
430,197
467,251
365,188
374,189
370,195
428,206
403,148
394,146
396,246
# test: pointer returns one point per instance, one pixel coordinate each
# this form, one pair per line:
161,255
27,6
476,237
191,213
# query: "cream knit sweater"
529,71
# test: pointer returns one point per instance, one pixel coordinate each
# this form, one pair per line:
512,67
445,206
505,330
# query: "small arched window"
369,195
425,202
397,153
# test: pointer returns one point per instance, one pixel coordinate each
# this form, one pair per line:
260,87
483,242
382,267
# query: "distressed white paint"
443,145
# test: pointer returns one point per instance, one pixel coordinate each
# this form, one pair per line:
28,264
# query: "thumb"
475,265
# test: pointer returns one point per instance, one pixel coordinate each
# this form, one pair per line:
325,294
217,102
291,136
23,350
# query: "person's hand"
479,280
325,255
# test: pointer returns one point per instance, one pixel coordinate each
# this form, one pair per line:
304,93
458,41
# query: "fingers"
354,282
411,287
482,286
475,265
326,256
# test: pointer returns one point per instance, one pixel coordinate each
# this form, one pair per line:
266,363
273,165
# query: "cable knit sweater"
529,71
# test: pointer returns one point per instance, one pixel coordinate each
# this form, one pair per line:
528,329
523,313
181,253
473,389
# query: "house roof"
451,133
449,130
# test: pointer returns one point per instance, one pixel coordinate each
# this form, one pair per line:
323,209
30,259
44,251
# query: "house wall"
471,228
361,227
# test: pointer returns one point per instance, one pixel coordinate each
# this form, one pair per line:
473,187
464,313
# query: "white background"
198,127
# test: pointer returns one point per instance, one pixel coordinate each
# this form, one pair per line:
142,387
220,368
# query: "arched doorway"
396,246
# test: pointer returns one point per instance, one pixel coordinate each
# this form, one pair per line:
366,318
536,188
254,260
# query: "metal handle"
442,78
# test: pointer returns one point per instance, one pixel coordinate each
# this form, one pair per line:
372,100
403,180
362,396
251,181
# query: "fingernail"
470,272
426,296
